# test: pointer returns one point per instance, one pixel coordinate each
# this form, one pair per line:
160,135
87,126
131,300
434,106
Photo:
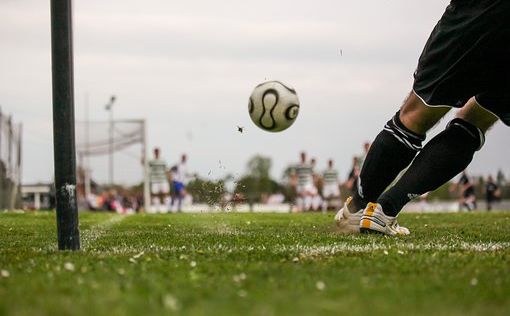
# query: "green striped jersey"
304,173
330,176
157,171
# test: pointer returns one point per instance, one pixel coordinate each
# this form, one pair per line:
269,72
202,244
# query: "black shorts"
468,55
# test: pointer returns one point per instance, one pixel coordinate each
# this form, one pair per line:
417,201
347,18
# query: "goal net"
111,154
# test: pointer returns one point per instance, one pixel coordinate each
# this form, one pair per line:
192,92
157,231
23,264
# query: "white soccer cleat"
347,222
374,220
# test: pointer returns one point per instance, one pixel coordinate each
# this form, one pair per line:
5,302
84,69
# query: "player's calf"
445,156
391,151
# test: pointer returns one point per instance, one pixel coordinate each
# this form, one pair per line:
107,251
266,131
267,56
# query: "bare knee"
418,117
473,113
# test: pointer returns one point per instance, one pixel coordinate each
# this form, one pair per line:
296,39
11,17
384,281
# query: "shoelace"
394,224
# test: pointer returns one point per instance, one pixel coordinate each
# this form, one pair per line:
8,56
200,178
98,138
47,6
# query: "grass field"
255,264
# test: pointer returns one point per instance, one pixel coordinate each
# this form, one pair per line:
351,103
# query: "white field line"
318,250
88,236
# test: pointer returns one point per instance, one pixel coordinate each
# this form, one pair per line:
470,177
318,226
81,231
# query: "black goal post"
63,125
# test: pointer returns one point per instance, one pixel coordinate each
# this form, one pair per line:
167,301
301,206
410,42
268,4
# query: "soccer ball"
273,106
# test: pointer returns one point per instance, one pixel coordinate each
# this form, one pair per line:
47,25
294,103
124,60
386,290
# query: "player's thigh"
473,113
419,117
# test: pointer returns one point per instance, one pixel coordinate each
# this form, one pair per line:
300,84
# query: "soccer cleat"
347,222
374,220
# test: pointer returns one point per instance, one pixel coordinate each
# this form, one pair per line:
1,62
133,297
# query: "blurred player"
179,179
159,182
467,194
465,65
331,187
492,193
304,180
317,182
352,182
352,179
500,178
366,149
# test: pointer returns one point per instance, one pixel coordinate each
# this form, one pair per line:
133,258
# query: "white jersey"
157,171
180,174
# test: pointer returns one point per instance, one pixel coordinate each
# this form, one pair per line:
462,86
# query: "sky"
188,68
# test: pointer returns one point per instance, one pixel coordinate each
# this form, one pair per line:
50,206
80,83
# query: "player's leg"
180,196
445,156
391,151
300,198
464,56
316,198
395,147
158,196
308,202
326,198
173,195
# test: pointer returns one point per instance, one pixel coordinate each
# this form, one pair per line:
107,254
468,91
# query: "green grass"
255,264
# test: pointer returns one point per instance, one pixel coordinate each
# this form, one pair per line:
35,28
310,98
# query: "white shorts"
306,189
160,188
330,190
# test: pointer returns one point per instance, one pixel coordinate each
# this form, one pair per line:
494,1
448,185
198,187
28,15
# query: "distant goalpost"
103,138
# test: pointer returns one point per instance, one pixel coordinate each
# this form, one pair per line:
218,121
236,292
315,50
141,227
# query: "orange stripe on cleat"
365,223
370,209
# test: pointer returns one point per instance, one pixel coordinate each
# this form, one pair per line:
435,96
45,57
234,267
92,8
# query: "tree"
257,182
207,191
259,167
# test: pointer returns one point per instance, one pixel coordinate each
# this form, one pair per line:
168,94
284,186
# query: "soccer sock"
392,150
445,156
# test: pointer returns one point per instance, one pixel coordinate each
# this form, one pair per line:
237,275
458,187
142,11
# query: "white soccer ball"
273,106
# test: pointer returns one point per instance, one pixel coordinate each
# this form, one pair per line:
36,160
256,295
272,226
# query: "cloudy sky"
188,67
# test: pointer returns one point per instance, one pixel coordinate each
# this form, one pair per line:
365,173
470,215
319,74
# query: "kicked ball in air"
273,106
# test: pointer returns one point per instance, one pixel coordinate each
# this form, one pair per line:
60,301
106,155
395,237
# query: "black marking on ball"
278,82
289,113
277,98
250,106
288,88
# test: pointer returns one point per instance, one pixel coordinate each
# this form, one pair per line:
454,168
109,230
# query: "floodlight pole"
63,125
86,180
145,161
109,107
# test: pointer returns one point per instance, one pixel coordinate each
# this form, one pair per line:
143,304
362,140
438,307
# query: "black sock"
445,156
392,150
